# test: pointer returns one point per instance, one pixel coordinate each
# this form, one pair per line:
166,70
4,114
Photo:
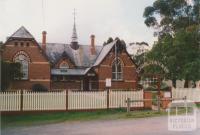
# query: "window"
117,70
27,44
24,60
16,43
64,65
22,44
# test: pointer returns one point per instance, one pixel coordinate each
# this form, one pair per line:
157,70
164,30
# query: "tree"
110,39
177,24
169,16
9,72
180,54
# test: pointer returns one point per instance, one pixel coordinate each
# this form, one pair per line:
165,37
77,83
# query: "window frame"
117,71
64,63
22,58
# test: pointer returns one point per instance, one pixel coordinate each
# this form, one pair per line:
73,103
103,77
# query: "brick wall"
39,67
104,70
66,85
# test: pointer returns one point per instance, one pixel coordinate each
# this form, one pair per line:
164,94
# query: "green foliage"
110,39
180,54
177,22
171,15
9,71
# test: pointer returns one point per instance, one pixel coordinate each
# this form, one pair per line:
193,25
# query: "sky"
103,18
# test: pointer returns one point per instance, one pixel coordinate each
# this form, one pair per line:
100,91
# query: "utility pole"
0,64
159,93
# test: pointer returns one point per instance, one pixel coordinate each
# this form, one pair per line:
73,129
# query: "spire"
74,42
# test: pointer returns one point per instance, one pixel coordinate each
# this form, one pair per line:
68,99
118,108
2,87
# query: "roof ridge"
69,44
112,43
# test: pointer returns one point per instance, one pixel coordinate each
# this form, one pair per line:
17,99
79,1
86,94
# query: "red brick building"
69,66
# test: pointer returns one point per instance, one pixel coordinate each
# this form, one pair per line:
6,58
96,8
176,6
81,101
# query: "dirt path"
143,126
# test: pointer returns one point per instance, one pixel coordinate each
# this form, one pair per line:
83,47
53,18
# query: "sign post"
108,85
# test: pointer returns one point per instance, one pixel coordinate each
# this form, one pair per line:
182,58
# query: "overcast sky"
104,18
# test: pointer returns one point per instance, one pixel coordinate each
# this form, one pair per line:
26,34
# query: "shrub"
39,88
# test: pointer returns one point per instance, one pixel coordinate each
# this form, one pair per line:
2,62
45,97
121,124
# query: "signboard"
108,82
167,94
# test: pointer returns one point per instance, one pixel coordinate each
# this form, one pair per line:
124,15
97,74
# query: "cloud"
104,18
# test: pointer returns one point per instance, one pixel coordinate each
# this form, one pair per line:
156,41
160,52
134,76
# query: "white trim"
39,62
40,80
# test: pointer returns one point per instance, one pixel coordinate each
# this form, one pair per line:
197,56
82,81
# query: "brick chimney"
44,33
92,47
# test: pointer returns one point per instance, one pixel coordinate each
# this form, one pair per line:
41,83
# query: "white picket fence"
44,101
87,100
192,94
10,101
63,100
118,98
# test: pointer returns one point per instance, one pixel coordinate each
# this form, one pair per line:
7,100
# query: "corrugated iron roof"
22,32
105,50
54,52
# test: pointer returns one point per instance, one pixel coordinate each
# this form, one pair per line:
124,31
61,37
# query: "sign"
152,63
167,94
108,82
185,121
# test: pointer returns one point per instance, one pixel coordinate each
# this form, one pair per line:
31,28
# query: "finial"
74,42
74,16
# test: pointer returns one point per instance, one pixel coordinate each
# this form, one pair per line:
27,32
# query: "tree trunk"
174,83
186,84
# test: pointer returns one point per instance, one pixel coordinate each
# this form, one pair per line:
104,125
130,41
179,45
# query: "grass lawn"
44,118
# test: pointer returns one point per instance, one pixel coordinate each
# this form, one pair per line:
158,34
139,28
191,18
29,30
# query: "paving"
140,126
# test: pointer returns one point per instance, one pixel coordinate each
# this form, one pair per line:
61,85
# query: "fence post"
108,100
21,100
128,105
66,100
158,103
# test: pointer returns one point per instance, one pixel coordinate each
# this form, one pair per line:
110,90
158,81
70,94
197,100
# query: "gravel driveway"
142,126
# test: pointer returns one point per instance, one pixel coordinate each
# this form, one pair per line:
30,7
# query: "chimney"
44,33
92,48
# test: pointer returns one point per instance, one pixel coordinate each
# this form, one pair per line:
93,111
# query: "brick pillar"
44,33
147,95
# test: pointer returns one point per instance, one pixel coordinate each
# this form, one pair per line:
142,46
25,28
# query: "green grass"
198,105
44,118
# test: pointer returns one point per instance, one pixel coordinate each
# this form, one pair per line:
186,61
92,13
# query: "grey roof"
105,50
54,52
69,71
22,32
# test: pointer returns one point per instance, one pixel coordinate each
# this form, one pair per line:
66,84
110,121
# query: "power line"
43,13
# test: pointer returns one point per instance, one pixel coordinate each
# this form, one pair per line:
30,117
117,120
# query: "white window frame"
117,74
22,58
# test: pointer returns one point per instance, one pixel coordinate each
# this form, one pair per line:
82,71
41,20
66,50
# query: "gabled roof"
22,32
54,51
105,50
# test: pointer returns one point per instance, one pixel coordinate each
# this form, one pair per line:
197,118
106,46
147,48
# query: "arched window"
24,60
64,65
117,73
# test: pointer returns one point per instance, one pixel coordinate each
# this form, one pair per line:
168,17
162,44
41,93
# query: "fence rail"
67,100
117,98
192,94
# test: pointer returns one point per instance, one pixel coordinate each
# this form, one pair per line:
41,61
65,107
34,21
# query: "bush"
39,88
